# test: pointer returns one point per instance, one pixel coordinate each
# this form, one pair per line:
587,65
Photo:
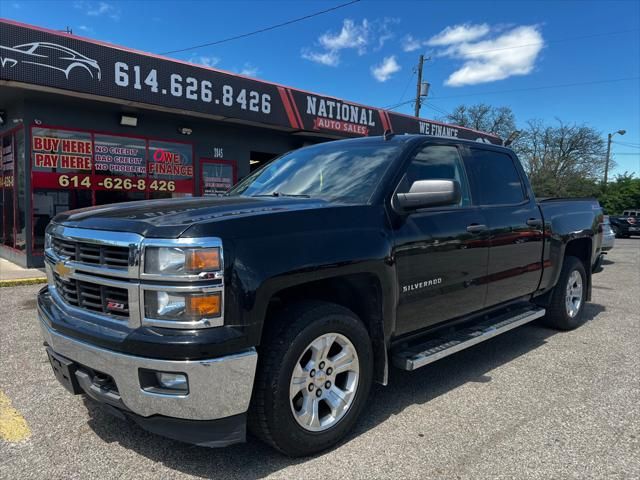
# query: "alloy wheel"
573,298
324,382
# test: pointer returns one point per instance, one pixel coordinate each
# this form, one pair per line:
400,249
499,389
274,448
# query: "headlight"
182,307
47,241
181,260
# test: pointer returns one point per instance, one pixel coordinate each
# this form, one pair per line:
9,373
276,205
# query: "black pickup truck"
277,305
626,224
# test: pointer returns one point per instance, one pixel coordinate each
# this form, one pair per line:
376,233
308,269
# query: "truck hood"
169,218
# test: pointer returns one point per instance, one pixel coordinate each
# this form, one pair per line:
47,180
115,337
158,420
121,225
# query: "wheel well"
360,293
581,249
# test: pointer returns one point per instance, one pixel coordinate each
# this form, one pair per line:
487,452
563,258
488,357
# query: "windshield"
339,171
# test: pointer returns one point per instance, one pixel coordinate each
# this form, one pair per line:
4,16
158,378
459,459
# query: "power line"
438,109
393,107
406,87
262,30
628,145
560,85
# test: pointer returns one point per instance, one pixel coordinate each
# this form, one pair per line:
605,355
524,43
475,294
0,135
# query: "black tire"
557,312
270,416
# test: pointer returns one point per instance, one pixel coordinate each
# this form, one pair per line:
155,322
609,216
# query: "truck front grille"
92,296
92,254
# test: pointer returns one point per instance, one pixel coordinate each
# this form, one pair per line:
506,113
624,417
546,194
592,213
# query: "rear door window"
494,178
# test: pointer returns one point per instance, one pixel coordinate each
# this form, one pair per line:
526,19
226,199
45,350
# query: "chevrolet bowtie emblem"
63,270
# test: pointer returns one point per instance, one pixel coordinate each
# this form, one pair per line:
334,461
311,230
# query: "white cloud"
411,44
351,36
85,29
330,58
449,36
98,9
249,70
458,34
205,60
383,71
509,53
383,30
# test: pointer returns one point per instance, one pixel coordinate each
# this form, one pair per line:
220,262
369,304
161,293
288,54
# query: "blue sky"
498,52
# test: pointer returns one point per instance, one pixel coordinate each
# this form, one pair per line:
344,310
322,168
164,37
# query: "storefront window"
61,159
76,169
61,176
19,185
8,182
170,169
217,177
120,169
47,203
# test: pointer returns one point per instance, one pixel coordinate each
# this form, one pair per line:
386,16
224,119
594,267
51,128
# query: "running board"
428,352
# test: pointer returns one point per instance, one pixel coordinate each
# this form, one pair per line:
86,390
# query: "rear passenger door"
514,221
441,253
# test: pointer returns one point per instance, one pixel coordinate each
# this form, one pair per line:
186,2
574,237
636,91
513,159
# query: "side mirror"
430,193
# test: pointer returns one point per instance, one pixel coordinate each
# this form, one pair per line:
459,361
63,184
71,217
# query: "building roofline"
226,72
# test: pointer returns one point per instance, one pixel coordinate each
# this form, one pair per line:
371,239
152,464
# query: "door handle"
534,222
476,228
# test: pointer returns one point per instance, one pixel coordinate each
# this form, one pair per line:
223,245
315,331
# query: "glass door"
216,176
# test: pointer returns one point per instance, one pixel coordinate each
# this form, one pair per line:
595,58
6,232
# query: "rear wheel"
569,296
313,378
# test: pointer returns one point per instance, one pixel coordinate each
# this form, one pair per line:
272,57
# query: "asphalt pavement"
532,403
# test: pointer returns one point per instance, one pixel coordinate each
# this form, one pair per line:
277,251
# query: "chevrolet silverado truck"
275,306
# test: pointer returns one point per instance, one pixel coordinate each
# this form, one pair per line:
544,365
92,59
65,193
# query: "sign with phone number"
50,59
100,182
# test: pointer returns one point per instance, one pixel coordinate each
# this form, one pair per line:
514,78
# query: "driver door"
441,252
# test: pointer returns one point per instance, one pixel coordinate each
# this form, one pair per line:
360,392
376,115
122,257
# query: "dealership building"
87,123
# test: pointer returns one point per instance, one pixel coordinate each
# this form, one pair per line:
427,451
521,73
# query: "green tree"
621,194
563,160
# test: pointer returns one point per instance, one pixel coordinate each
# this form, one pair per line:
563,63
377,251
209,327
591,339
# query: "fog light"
172,381
164,383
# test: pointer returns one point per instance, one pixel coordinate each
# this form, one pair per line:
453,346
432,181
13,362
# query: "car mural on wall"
48,55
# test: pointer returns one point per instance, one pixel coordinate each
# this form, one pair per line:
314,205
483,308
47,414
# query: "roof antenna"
388,135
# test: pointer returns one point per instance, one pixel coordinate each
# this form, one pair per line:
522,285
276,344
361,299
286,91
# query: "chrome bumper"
218,388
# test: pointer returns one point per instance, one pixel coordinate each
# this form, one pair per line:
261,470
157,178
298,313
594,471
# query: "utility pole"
606,163
419,86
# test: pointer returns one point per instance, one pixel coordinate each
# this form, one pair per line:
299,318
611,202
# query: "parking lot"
531,403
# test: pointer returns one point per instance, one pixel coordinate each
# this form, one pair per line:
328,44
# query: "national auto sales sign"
339,116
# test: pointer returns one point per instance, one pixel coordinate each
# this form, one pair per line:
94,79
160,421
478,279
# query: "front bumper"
219,388
608,241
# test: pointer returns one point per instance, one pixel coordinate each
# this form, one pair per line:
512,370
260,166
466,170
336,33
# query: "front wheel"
569,296
313,378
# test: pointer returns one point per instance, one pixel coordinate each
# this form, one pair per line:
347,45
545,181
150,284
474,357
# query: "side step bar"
428,352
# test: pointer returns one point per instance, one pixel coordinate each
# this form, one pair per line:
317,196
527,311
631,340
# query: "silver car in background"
608,235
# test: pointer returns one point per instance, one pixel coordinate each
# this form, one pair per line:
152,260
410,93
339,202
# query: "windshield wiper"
280,194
